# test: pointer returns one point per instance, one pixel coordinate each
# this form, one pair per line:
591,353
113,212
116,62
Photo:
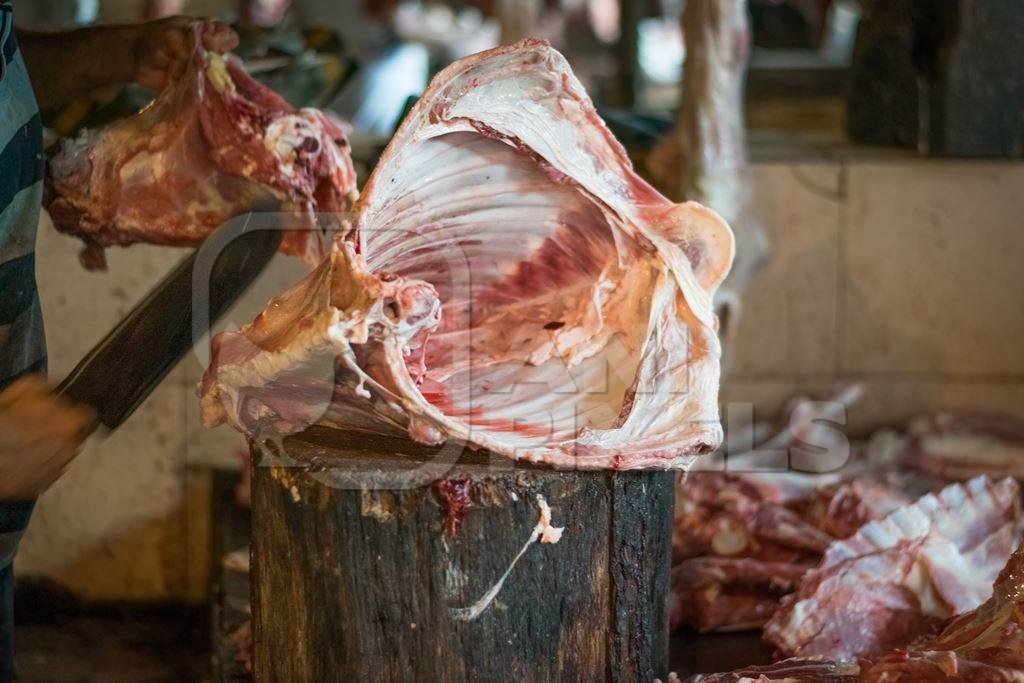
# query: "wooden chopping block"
355,578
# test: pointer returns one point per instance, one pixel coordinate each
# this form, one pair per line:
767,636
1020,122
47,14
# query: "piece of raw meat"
521,290
985,644
213,144
743,538
962,445
737,551
729,594
723,515
309,348
901,577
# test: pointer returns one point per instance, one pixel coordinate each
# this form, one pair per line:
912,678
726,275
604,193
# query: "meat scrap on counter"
489,292
804,670
902,577
984,644
963,445
213,144
736,553
723,519
743,539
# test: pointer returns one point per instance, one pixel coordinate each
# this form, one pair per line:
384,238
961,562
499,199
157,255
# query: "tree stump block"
360,567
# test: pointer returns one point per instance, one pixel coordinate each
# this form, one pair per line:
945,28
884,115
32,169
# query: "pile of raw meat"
510,284
896,566
983,644
211,146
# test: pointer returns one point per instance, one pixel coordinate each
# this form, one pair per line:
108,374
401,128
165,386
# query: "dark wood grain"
639,638
355,581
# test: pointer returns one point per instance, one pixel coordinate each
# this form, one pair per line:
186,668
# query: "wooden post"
704,158
943,76
628,53
355,579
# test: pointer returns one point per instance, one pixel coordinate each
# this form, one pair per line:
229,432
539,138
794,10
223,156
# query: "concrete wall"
906,276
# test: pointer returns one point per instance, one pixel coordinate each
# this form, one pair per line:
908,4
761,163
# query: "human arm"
40,433
63,66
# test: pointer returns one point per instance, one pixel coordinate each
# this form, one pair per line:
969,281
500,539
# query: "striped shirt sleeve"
22,344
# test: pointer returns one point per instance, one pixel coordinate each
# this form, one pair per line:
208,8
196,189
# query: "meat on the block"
901,577
213,144
575,320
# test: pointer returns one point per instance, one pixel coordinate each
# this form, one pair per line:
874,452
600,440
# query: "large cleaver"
121,371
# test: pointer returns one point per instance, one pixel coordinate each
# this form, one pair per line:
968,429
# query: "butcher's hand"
164,46
40,433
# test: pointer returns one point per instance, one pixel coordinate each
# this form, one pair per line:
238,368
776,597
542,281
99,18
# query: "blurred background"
867,154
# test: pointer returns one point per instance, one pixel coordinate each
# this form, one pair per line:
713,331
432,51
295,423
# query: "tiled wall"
905,276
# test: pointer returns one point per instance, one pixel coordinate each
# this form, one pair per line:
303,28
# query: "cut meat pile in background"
211,146
903,576
511,285
854,573
983,644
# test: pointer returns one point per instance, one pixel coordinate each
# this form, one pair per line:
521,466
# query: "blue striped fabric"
21,174
22,345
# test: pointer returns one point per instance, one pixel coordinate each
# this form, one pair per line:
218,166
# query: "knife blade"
117,375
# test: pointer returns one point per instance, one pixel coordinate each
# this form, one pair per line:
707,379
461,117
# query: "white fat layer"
945,550
284,136
218,73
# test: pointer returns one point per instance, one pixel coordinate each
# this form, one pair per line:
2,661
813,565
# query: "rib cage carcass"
513,285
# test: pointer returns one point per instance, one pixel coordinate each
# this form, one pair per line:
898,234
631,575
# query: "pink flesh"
901,577
803,670
195,158
779,523
576,325
985,644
